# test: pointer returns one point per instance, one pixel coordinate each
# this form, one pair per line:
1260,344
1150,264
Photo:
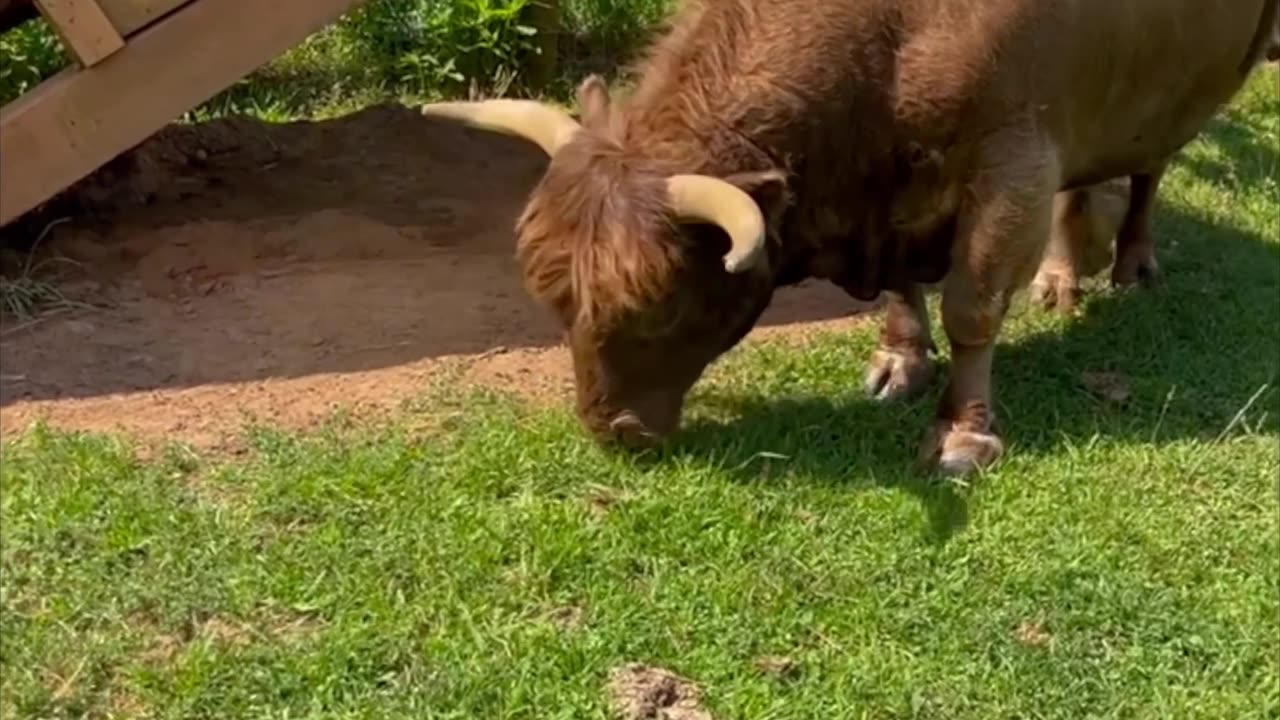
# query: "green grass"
1121,563
393,51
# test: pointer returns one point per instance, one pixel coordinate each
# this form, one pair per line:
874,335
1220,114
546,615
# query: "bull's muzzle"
628,430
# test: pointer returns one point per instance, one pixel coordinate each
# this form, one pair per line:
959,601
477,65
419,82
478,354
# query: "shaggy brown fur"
888,143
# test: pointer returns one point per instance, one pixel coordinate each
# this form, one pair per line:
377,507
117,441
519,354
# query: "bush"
390,49
28,54
427,46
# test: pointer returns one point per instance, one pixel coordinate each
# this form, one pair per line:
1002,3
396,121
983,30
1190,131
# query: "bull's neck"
704,145
712,147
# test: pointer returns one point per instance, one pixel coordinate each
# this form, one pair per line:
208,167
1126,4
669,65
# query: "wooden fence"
139,64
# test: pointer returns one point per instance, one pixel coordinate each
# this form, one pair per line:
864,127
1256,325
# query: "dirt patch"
778,666
1110,386
601,500
1033,633
568,618
242,271
123,703
274,626
640,692
62,681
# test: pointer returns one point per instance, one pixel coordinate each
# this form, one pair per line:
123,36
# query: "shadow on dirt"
238,251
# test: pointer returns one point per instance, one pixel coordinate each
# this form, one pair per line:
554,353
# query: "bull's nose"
628,430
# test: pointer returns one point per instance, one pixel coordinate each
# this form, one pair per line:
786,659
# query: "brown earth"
641,692
240,270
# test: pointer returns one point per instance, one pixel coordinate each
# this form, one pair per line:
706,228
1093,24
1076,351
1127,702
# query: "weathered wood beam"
79,120
84,29
130,16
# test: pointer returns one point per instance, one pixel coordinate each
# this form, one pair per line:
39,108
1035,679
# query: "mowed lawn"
1123,562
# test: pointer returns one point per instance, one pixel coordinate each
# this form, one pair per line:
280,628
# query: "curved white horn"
716,201
543,124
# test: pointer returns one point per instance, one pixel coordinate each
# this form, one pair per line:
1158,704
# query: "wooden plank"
126,16
78,120
130,16
85,31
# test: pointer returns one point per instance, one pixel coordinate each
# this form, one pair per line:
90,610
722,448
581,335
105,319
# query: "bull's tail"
1266,38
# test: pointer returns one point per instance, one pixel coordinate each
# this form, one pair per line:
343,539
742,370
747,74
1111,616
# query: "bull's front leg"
900,367
999,243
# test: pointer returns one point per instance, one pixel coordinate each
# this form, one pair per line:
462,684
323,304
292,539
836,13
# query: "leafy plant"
29,54
431,47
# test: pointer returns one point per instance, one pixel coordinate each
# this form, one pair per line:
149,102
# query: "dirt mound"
239,268
640,692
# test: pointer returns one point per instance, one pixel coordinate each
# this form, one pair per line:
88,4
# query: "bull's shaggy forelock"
596,241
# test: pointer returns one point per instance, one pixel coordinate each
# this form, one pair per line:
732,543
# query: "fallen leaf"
1032,633
1111,386
778,666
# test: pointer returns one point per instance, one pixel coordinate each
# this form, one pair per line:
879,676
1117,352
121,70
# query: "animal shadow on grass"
1210,337
1191,355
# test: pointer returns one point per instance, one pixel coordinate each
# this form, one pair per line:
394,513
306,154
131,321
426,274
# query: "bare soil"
248,271
641,692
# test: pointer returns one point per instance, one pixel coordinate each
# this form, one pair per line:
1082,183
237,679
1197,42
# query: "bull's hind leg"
999,243
1085,222
1057,284
900,367
1135,244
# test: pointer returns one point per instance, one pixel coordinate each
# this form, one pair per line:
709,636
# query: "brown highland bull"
879,144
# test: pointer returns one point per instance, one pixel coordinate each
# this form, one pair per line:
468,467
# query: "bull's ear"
768,188
593,99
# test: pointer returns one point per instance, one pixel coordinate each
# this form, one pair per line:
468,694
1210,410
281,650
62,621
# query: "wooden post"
84,29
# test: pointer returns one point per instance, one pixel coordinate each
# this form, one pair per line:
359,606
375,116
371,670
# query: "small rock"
80,327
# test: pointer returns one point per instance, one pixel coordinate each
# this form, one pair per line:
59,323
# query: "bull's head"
653,274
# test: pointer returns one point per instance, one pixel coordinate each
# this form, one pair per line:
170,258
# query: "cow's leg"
1085,224
1135,244
1000,241
900,367
1056,284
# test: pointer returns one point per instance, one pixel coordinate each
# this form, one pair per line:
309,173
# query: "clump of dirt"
641,692
276,273
569,617
601,500
778,666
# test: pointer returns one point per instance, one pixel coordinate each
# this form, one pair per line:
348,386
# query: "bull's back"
1122,85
